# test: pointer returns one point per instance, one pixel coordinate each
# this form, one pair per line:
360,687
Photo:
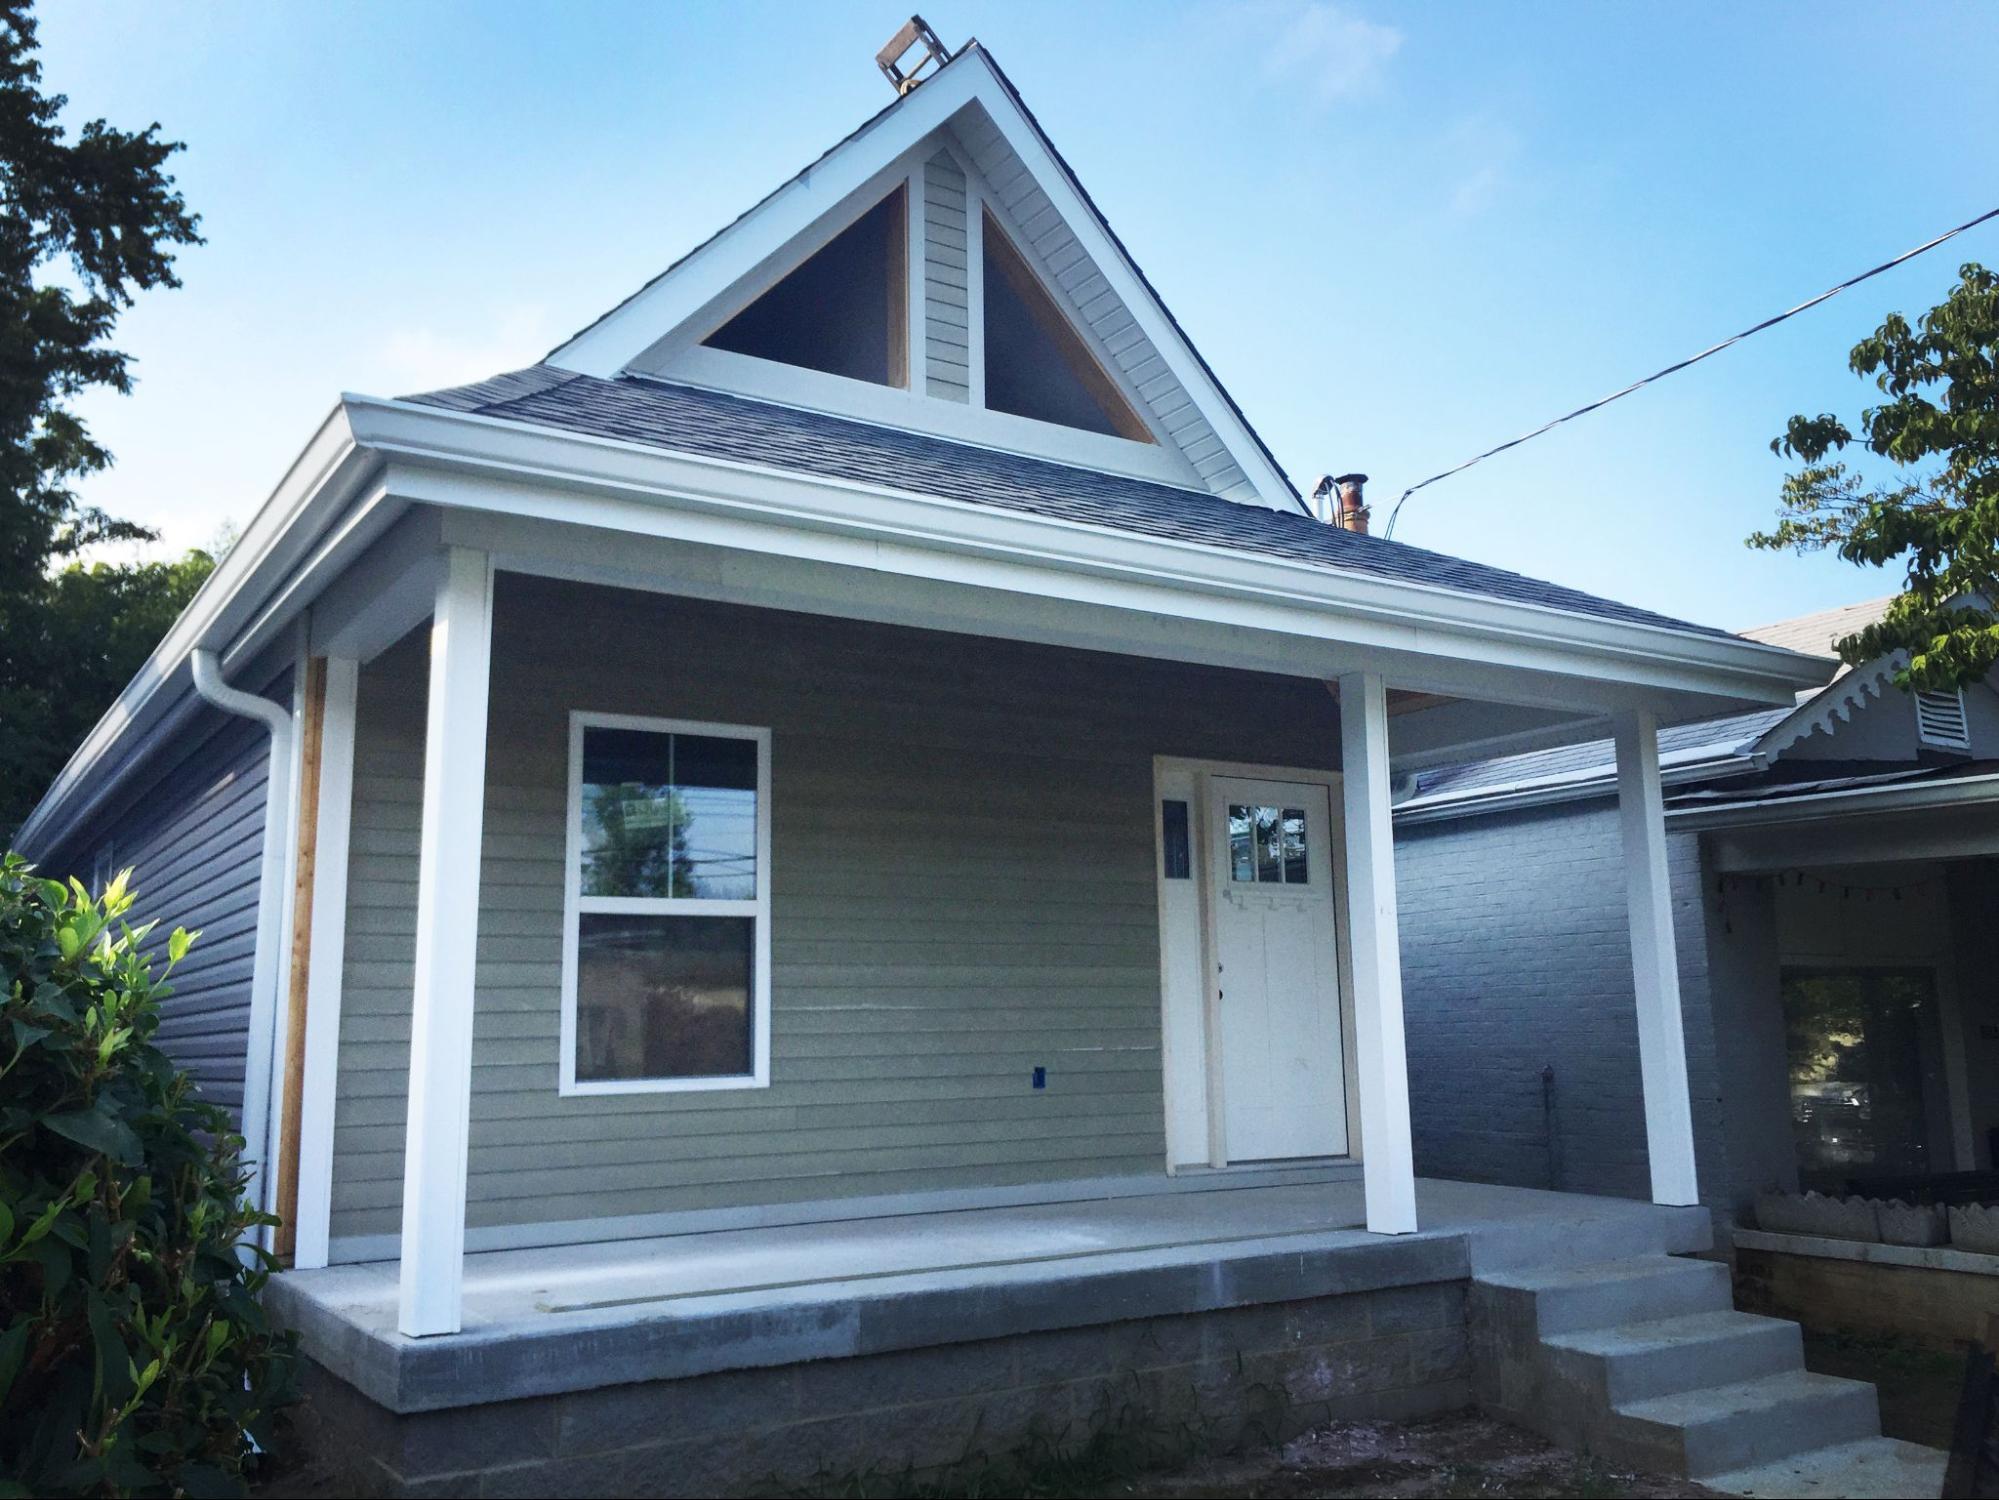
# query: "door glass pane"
1269,845
1865,1051
669,815
662,997
1242,838
1295,871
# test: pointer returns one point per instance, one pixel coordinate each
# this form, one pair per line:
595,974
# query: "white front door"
1283,1076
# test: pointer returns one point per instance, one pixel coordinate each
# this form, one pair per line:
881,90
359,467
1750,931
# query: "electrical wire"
1672,369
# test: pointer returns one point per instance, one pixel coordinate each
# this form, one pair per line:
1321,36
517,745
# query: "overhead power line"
1710,351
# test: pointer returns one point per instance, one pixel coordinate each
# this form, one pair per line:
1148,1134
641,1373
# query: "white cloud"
1482,154
423,358
1339,54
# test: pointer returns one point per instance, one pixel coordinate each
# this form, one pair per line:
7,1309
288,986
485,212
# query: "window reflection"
663,997
669,815
1267,845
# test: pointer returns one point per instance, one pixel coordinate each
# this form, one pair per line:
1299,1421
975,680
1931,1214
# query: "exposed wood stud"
311,733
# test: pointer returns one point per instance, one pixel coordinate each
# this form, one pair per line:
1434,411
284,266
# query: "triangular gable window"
1037,365
844,310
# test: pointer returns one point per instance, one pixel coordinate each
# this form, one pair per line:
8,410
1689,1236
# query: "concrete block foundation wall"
1208,1381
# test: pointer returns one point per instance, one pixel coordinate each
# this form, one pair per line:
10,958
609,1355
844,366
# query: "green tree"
85,225
1937,509
94,624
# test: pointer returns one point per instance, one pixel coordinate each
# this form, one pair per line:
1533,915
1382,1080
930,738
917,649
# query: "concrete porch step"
1751,1422
1871,1469
1633,1361
1646,1288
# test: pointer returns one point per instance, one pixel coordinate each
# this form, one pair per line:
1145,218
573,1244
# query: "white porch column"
1655,967
1382,1064
447,919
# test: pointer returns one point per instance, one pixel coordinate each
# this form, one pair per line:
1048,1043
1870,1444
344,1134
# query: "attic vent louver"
1940,720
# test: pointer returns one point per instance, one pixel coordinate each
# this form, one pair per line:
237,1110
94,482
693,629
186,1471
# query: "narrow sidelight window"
666,948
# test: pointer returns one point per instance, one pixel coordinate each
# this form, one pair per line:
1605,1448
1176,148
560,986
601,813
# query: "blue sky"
1399,234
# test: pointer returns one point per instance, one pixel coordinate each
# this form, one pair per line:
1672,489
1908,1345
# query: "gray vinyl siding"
1516,956
946,316
1065,266
963,890
192,832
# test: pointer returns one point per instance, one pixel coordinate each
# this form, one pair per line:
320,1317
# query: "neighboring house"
847,811
1835,871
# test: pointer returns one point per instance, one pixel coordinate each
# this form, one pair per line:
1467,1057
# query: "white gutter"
258,1062
1856,801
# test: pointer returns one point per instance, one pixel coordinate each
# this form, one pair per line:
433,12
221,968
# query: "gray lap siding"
191,829
963,890
1516,957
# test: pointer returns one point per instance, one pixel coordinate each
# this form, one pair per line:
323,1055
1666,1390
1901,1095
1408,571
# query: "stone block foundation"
1197,1381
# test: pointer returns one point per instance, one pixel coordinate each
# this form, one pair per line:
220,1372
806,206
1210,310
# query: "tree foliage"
86,224
135,1357
1937,510
69,658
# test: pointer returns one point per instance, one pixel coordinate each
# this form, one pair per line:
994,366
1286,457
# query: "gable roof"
716,424
1816,634
971,102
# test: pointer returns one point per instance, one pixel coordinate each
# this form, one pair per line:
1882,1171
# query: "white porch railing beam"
1655,968
447,918
1389,1162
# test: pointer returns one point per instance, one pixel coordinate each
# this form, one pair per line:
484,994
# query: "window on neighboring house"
843,310
1868,1098
1940,720
103,867
1037,364
666,960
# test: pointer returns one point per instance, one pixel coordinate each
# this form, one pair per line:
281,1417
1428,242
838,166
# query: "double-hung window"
666,941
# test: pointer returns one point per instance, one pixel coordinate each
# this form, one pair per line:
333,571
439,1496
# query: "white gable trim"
611,344
1832,705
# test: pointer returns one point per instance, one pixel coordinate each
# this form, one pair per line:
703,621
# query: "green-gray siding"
963,890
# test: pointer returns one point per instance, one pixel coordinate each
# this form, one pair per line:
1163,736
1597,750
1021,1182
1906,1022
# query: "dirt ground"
1462,1454
1459,1455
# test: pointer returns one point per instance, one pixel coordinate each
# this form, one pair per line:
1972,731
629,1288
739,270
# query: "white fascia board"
1846,802
621,485
327,473
621,336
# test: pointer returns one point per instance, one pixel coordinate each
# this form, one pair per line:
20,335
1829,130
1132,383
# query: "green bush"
134,1355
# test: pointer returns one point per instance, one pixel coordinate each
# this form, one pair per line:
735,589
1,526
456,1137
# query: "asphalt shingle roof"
713,424
1594,757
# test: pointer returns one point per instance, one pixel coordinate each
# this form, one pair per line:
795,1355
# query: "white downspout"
266,966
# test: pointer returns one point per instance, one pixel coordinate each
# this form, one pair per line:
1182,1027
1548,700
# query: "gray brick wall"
1516,956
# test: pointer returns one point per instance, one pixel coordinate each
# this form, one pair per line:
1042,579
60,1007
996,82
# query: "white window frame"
576,904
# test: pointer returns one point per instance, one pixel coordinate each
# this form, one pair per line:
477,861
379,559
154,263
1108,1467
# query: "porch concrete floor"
692,1303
